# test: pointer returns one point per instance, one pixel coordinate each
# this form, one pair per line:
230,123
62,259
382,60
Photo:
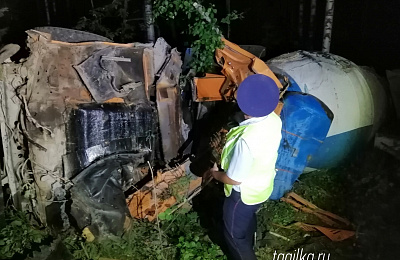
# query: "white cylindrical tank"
355,95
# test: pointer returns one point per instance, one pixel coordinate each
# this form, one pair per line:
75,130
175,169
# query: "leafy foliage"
19,236
110,21
141,242
193,248
185,232
179,188
278,213
180,237
202,26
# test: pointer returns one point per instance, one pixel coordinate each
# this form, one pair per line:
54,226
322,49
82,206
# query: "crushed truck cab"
81,118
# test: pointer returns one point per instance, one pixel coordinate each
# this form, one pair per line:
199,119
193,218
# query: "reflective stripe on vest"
263,139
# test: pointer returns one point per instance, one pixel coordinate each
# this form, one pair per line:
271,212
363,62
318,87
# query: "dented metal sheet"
168,105
95,131
70,35
113,72
98,200
237,64
8,51
161,53
208,88
52,85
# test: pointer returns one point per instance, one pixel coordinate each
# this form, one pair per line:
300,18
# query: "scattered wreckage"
84,119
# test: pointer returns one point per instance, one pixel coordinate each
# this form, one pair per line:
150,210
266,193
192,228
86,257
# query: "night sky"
364,31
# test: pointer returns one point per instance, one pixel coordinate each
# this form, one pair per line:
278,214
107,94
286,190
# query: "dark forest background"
364,31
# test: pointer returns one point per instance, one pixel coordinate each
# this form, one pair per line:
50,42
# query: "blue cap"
257,95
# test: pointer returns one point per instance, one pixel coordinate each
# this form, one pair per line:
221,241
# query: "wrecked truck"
83,119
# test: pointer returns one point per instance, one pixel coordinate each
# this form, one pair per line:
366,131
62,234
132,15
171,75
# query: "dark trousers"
240,223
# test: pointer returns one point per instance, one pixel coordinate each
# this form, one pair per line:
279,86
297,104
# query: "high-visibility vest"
263,139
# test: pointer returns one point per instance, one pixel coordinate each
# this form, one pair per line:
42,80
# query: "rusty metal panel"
237,64
113,72
208,88
70,35
9,113
99,130
161,53
168,105
148,70
52,86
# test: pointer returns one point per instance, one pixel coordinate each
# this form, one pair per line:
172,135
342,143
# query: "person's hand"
214,169
209,173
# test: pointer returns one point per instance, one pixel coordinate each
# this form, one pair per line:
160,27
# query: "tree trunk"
326,45
46,6
228,11
312,27
69,11
125,18
2,208
55,17
301,15
148,11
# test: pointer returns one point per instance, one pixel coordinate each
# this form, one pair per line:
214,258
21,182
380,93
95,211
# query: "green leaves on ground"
184,232
180,237
19,236
141,242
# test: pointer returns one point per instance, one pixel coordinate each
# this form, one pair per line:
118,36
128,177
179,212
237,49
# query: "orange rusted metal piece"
237,64
333,220
208,87
153,197
318,210
115,100
304,205
332,233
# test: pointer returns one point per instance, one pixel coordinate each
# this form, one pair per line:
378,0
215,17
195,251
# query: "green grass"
322,188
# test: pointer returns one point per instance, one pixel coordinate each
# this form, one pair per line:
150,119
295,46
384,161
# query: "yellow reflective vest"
263,139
